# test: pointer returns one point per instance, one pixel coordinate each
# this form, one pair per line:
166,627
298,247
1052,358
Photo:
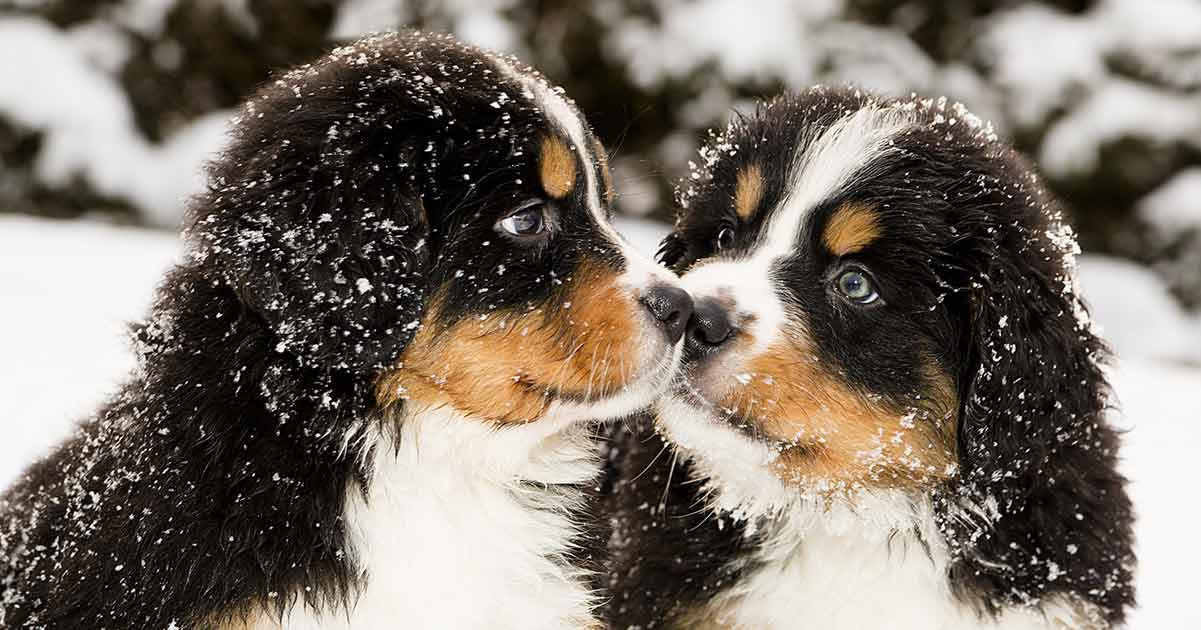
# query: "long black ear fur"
215,481
1040,507
317,221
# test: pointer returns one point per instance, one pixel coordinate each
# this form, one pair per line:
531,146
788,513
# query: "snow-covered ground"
67,290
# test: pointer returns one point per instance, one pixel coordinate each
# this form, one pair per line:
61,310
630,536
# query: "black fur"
215,480
975,267
667,551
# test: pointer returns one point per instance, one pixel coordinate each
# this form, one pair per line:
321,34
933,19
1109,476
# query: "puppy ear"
1034,380
1040,506
316,221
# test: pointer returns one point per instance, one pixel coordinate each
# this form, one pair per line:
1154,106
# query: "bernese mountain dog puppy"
892,407
363,399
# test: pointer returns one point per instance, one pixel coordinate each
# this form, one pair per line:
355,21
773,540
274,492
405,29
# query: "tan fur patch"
852,227
509,367
748,191
606,175
832,433
715,614
556,167
247,621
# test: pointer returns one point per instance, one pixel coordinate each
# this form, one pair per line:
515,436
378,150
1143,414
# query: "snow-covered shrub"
110,106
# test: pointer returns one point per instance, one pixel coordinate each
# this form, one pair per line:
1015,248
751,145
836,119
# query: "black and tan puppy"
891,414
363,399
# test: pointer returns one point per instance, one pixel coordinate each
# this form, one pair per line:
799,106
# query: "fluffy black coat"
984,260
214,481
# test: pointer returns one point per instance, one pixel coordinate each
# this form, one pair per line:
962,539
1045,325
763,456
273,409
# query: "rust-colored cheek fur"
835,437
509,367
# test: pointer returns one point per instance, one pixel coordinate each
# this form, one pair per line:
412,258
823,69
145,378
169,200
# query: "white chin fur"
736,469
466,524
878,563
872,559
651,383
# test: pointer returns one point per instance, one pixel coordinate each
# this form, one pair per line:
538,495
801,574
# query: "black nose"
671,306
709,327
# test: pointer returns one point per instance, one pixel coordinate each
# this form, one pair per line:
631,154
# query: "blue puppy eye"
857,287
528,221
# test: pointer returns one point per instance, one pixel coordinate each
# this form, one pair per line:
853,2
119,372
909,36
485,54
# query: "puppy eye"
725,238
529,220
857,287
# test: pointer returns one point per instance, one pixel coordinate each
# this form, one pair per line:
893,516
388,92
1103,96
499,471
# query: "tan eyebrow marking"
556,167
748,191
852,227
602,156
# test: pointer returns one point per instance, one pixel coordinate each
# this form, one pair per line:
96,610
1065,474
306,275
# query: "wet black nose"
709,327
672,308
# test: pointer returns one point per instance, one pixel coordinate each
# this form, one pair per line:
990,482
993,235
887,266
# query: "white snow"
480,22
359,17
1041,54
769,41
1046,59
1039,66
89,124
1162,409
67,290
1118,109
1176,205
1135,312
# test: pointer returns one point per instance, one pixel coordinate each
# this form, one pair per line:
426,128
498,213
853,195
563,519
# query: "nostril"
671,307
709,327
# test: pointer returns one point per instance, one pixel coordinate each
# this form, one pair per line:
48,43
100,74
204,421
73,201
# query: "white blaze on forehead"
640,273
640,269
828,165
568,120
562,115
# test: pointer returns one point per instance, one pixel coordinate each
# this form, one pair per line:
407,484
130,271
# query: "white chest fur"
842,570
467,526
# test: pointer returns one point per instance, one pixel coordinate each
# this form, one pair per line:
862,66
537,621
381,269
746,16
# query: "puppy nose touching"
708,329
671,307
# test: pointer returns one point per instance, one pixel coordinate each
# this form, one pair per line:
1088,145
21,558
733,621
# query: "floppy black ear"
1041,507
315,219
1034,384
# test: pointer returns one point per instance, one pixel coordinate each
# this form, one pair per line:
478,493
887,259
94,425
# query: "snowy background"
109,107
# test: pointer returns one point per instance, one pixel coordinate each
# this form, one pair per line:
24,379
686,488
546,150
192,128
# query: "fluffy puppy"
362,399
892,406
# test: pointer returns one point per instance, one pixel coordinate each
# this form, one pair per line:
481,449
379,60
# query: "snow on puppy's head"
886,303
434,217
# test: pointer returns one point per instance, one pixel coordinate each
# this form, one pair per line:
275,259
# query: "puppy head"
434,219
883,299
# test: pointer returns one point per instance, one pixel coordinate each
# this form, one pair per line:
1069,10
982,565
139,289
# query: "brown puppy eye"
725,238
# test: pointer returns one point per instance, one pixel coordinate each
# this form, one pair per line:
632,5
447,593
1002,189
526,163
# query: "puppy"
362,399
892,407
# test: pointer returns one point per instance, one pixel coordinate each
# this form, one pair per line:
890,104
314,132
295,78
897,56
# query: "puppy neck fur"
466,525
852,562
